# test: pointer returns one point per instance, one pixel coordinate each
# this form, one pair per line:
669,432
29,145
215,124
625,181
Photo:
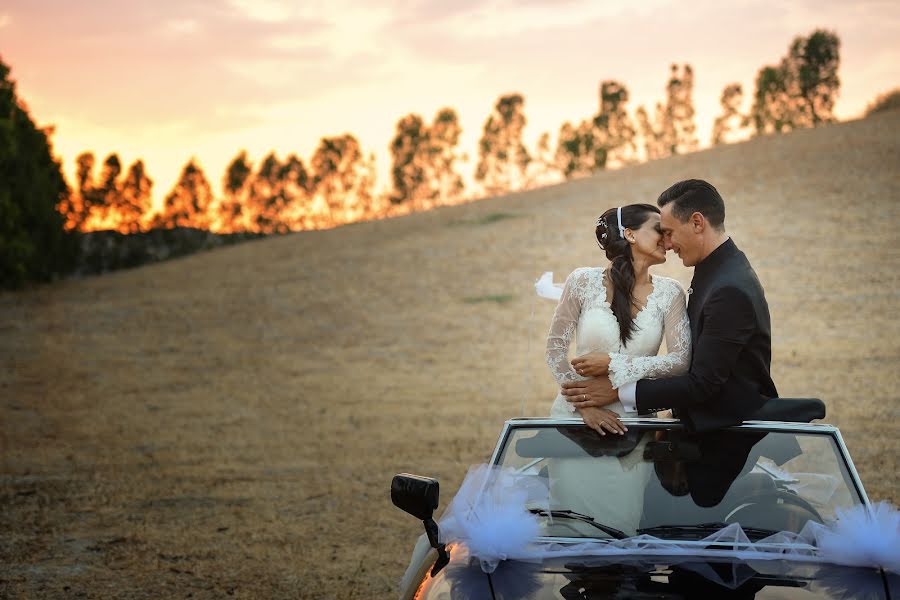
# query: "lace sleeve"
562,328
627,369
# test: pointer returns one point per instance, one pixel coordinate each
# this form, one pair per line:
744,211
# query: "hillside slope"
228,423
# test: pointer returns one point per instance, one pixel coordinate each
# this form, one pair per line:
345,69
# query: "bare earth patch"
227,425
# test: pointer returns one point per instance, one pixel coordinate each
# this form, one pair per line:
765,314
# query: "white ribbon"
545,287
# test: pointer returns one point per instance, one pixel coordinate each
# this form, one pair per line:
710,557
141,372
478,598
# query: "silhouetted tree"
772,110
109,178
85,170
33,243
653,136
266,200
812,66
341,178
423,159
109,201
265,195
409,158
108,192
502,157
801,90
187,205
79,206
295,188
680,109
443,139
576,150
232,209
607,139
673,130
134,199
90,205
731,120
276,192
614,128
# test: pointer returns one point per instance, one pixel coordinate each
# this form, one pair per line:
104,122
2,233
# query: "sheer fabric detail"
584,313
670,304
578,295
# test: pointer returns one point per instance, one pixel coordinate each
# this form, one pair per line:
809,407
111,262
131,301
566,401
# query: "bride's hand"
593,364
600,419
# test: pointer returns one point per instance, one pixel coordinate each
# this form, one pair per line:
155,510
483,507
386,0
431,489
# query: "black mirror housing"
415,494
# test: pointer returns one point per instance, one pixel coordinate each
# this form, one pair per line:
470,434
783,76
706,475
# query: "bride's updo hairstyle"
618,251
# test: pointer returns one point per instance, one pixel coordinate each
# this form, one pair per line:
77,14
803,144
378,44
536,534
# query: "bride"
619,316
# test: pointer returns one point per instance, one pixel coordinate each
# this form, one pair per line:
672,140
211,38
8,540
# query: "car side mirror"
415,494
419,496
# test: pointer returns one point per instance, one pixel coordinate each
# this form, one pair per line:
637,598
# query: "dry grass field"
227,424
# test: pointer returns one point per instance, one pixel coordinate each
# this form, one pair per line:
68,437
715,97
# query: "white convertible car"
767,509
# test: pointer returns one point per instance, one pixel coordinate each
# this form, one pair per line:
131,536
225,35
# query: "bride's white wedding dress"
583,484
584,312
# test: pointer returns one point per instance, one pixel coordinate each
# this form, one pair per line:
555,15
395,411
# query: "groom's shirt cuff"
628,396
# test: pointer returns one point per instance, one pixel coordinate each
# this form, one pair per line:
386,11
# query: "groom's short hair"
695,195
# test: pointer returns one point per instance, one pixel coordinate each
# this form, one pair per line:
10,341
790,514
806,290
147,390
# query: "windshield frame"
821,429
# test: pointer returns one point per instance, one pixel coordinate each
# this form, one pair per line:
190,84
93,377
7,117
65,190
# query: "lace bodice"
584,312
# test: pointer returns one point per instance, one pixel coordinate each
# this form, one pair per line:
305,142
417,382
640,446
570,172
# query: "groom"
729,378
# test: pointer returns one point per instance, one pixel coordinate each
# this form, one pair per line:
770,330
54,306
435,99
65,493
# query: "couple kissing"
715,372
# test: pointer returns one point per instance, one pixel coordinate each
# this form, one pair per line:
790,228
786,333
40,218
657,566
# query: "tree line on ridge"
337,183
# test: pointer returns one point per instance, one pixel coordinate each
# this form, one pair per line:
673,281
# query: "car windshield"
661,480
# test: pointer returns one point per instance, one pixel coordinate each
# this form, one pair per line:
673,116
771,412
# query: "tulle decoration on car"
489,513
861,537
490,516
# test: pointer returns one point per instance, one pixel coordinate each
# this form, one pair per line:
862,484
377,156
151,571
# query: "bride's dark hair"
621,267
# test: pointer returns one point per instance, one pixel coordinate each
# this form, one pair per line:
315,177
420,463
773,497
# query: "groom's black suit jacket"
729,377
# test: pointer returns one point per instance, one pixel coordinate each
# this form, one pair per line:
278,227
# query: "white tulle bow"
862,538
489,514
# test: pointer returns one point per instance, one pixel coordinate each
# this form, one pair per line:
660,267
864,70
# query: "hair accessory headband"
619,219
601,240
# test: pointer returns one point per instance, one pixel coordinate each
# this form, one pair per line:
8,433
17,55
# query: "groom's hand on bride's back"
595,393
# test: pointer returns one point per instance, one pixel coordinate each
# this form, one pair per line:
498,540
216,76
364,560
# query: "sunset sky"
171,79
